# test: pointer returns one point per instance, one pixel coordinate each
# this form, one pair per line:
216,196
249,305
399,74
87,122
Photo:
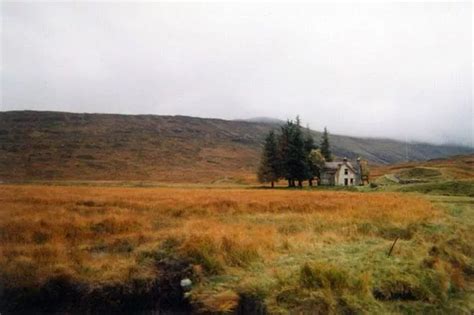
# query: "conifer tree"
300,166
269,164
309,146
287,156
316,163
325,146
284,152
293,153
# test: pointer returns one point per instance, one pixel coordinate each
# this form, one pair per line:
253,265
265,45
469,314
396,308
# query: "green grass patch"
419,173
448,188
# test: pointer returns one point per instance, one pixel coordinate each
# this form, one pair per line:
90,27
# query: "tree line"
293,155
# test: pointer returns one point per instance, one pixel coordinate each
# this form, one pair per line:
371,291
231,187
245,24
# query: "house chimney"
359,172
344,159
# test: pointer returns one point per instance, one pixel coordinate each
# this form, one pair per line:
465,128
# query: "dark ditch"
61,295
164,295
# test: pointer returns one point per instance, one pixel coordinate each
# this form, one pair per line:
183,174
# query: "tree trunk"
300,183
289,182
310,181
273,184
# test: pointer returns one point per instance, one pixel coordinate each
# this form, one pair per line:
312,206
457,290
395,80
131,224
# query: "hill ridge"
107,146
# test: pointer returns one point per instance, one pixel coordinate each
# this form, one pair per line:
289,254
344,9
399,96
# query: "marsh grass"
280,249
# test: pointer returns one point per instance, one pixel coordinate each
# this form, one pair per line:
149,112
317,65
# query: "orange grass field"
103,235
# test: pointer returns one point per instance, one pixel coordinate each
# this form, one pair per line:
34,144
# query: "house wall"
340,176
327,178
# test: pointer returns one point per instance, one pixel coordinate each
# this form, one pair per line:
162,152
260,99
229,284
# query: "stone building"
344,173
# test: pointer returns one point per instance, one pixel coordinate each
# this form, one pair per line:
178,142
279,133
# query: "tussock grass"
278,250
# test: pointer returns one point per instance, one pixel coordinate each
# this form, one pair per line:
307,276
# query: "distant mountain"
56,145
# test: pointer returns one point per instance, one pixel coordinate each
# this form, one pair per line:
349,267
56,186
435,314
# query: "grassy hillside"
452,168
451,177
51,145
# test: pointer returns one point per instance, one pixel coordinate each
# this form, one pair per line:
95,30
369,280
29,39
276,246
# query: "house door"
346,181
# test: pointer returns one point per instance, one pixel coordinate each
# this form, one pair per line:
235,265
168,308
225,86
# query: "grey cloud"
396,70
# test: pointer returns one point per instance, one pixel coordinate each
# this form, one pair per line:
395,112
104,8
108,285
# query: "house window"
346,171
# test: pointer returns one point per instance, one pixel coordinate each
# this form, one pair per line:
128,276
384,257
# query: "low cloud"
396,70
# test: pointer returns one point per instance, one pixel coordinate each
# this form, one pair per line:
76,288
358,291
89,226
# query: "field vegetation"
245,250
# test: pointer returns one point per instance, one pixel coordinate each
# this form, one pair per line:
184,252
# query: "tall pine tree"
316,163
284,152
293,157
268,172
309,146
287,155
325,146
299,156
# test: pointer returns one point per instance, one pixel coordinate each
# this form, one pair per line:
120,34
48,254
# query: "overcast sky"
395,70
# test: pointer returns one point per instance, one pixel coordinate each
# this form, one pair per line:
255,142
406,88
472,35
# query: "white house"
342,173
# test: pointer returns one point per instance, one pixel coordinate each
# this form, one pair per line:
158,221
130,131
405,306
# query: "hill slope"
52,145
450,177
459,167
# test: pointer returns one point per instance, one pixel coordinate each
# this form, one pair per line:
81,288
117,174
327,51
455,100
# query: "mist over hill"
268,120
58,145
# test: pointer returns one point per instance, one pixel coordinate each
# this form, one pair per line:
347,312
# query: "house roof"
337,164
334,165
